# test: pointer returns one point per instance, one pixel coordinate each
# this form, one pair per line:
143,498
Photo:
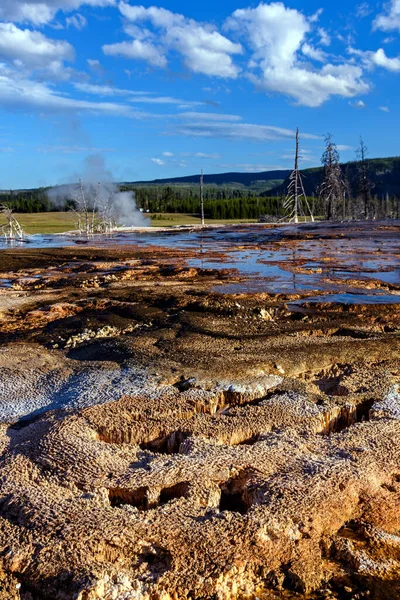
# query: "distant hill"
264,180
384,174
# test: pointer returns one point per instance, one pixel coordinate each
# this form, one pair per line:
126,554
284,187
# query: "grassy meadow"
58,222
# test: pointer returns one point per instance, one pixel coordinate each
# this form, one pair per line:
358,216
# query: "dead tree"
333,188
12,229
296,202
94,209
202,197
106,221
364,184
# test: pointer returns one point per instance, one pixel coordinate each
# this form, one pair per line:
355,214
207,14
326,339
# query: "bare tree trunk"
202,197
296,180
12,230
293,202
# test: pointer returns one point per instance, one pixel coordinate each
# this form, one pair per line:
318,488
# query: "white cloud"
324,37
344,148
40,12
18,92
201,155
202,47
390,19
236,131
137,50
168,154
384,109
315,17
209,116
31,48
250,168
134,96
380,59
314,53
78,21
275,32
304,156
358,104
158,161
276,35
95,66
363,10
100,90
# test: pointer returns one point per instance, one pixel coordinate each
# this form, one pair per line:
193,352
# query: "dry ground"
164,441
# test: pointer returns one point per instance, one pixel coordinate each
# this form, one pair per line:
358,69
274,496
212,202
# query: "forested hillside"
241,195
383,173
265,180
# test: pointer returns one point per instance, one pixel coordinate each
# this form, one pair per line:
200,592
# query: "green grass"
51,222
58,222
171,219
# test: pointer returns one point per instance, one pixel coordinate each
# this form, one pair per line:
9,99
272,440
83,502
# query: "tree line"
346,193
338,191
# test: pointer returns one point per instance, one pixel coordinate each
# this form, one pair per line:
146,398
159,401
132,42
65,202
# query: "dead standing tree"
296,200
94,209
202,197
364,184
332,189
12,230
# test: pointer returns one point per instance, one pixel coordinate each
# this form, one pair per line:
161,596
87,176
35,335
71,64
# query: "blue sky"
166,89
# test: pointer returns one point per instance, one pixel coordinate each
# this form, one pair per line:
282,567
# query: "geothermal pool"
350,262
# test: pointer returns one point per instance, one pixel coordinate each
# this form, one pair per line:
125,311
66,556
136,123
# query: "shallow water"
351,260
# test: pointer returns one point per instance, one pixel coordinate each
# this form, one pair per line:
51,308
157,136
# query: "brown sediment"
161,440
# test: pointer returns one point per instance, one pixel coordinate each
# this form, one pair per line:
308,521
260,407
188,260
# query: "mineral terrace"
173,427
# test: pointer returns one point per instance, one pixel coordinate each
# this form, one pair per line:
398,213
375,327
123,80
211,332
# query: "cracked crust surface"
161,440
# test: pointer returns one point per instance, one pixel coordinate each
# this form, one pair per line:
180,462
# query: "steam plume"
98,187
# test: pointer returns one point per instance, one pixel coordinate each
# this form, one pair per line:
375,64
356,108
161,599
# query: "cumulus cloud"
138,50
276,35
390,19
158,161
384,109
380,59
202,48
168,154
31,48
40,12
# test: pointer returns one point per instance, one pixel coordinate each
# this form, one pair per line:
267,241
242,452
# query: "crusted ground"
161,440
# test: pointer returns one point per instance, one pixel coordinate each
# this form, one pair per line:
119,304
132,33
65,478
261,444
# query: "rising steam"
95,183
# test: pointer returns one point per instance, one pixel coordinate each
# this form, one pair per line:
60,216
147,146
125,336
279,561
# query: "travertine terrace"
173,427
